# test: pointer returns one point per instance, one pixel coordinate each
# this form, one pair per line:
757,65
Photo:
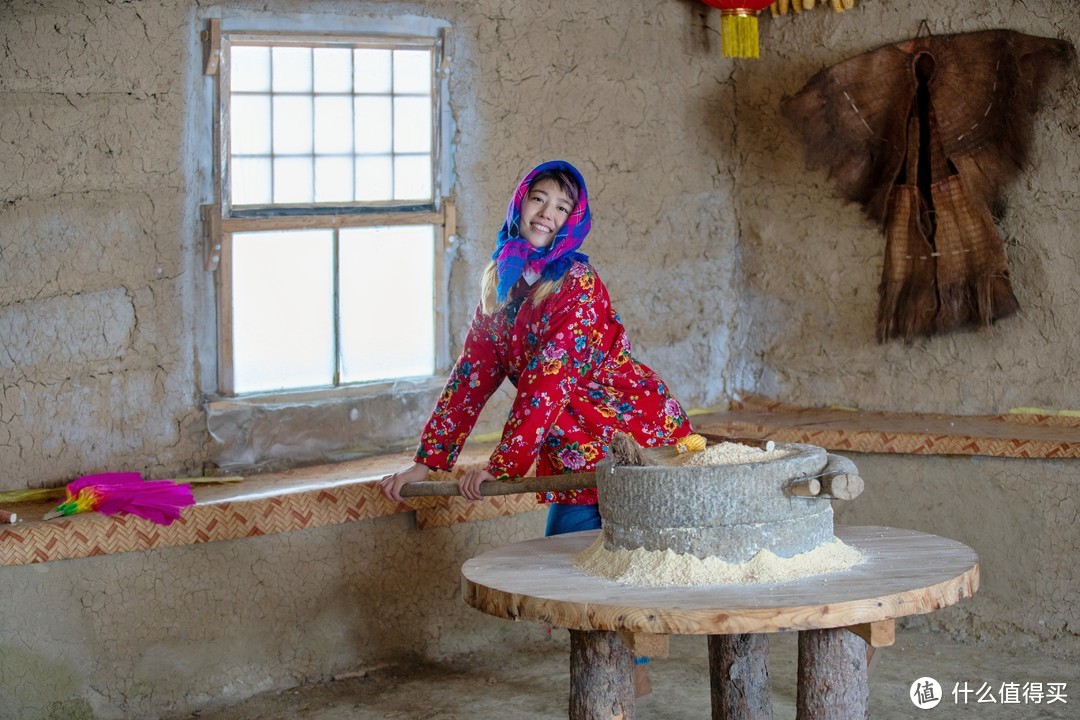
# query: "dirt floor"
534,685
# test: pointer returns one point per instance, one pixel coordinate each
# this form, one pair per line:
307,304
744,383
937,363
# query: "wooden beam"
648,645
211,38
876,634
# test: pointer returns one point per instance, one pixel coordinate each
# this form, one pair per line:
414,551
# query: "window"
328,234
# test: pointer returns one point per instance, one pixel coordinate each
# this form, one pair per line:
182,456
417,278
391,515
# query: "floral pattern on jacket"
577,384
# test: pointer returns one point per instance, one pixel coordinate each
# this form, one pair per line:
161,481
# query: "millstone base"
730,543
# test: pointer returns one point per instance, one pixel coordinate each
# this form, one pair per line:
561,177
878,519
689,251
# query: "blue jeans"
571,518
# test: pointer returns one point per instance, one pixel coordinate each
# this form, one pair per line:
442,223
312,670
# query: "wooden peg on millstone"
839,480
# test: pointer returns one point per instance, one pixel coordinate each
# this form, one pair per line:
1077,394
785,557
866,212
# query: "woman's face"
544,211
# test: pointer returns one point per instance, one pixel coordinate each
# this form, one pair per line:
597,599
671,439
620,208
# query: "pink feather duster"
157,500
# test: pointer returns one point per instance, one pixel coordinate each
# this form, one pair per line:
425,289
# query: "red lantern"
738,26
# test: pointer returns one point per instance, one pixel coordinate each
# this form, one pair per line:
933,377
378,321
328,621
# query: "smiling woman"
546,323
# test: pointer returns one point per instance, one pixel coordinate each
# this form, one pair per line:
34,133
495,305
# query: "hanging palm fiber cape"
513,255
924,135
109,493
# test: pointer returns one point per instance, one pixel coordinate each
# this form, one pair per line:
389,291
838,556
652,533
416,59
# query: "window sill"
269,431
297,499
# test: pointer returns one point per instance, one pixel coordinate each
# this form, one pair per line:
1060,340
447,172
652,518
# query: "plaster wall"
1020,517
812,263
166,632
734,269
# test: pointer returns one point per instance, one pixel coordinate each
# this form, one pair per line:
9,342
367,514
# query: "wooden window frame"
221,221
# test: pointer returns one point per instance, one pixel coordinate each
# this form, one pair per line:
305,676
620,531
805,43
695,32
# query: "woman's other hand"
392,484
469,484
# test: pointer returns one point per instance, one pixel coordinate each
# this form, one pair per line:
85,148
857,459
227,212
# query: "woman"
545,322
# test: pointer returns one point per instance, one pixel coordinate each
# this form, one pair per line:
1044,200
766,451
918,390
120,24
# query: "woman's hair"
490,281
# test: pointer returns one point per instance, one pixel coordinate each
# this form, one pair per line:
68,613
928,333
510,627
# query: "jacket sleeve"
565,354
475,377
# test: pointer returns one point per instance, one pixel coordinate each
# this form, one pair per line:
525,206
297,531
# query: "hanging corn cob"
781,7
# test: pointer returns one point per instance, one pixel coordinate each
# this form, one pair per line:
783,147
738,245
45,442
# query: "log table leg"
739,677
601,676
833,682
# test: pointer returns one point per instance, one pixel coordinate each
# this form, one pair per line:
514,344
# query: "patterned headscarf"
513,254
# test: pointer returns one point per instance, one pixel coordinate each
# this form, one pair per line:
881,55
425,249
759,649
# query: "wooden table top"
904,573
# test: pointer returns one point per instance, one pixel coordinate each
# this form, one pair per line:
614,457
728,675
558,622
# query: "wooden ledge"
1015,435
330,494
259,505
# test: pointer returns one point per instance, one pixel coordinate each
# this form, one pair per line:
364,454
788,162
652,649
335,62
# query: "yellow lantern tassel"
739,34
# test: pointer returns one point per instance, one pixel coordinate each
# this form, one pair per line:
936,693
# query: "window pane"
372,71
374,124
392,270
412,178
251,181
333,70
292,69
249,126
292,125
412,71
250,70
374,179
333,179
333,125
282,309
294,180
412,125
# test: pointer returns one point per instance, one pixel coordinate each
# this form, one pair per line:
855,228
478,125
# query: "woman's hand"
392,484
469,484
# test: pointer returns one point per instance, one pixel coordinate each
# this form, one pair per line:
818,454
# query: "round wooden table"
903,573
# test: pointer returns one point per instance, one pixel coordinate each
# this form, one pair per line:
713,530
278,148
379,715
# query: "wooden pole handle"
541,483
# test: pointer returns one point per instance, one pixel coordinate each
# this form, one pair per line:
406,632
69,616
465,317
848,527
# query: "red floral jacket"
577,384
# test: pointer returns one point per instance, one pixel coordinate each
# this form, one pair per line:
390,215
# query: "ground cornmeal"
666,567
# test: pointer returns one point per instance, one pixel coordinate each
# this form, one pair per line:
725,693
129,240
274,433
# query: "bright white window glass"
249,125
333,70
333,125
333,179
374,178
372,71
292,69
250,181
387,307
412,71
412,177
294,180
250,69
283,335
412,124
292,125
374,124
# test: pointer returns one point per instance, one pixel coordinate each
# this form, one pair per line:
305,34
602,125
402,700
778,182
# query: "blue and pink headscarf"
513,254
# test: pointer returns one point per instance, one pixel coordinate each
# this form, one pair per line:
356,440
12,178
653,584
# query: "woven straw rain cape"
924,135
